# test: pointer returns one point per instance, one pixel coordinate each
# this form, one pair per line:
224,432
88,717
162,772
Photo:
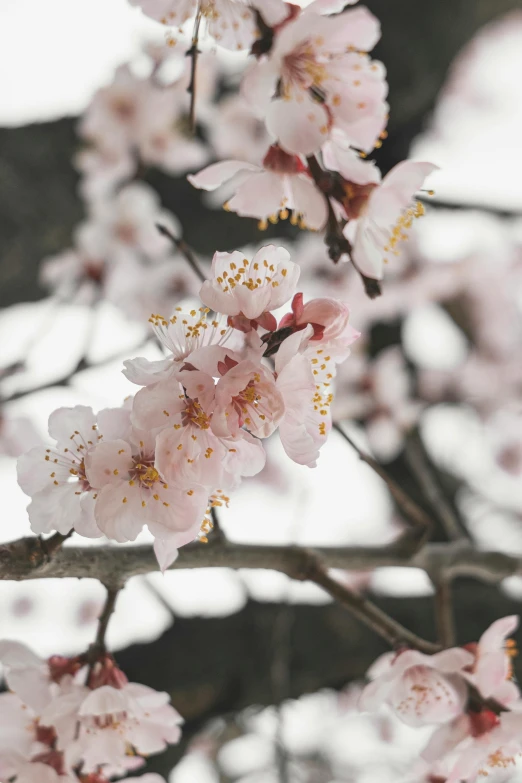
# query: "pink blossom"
55,478
316,77
420,689
232,23
188,453
235,132
269,192
492,670
111,719
251,289
386,217
131,493
492,752
246,396
183,334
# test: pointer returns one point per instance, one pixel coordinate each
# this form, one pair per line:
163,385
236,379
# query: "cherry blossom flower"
492,670
188,453
493,752
232,23
131,493
251,289
183,334
246,395
110,719
55,478
317,76
386,217
420,689
269,192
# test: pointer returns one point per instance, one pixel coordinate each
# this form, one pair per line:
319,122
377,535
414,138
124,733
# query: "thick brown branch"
28,558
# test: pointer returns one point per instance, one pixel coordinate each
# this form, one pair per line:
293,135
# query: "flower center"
301,69
194,414
144,473
403,225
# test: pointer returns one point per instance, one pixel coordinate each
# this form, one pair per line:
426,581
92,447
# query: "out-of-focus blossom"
139,120
420,689
17,434
280,188
316,77
236,132
380,394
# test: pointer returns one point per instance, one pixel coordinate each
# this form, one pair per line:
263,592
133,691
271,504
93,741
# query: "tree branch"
421,469
411,510
184,249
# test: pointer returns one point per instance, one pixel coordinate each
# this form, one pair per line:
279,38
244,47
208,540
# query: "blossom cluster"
196,427
475,735
66,720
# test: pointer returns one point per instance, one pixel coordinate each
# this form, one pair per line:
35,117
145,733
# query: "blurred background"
265,671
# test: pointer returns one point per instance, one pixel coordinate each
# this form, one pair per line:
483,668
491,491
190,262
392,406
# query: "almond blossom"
386,217
493,752
420,689
317,76
61,497
246,395
188,453
282,187
183,334
250,290
131,493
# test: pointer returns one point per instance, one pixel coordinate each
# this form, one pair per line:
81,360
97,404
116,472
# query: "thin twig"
98,646
444,613
193,54
184,249
370,615
420,467
217,530
411,510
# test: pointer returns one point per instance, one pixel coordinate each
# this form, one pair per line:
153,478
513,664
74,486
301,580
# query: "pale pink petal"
446,738
309,201
158,405
108,463
261,195
494,637
118,512
300,127
423,695
259,85
350,164
142,371
55,508
452,660
64,423
491,671
166,552
218,173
